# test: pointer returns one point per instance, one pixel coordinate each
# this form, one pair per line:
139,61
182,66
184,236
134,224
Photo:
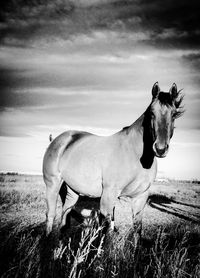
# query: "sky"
90,65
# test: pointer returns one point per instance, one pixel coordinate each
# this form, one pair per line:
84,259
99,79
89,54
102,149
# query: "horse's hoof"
112,231
116,230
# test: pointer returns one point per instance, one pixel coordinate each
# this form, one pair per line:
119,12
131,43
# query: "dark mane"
179,109
165,98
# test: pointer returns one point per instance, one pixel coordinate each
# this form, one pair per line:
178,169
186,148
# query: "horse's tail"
53,154
50,138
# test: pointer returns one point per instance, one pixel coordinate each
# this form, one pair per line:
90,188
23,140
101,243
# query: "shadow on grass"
27,252
167,205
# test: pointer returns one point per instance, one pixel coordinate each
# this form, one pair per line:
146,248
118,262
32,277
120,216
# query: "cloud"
193,59
165,23
87,83
82,58
171,33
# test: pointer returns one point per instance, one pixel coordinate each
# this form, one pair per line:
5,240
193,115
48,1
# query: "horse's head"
164,109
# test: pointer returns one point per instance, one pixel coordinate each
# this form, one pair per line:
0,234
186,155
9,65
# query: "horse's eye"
174,114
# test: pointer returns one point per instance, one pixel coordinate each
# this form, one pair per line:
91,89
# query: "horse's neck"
141,129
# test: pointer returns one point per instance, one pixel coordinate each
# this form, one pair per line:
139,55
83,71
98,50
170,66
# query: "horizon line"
36,173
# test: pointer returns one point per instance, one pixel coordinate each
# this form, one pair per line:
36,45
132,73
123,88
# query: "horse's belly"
84,186
83,176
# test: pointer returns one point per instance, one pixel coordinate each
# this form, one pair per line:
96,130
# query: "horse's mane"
178,104
166,99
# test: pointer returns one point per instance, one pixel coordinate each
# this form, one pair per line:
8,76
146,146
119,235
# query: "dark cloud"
10,80
193,59
14,92
169,23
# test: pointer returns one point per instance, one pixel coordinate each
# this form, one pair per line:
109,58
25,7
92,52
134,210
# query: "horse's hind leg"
69,201
53,184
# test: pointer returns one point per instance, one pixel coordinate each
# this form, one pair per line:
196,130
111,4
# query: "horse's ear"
155,90
173,91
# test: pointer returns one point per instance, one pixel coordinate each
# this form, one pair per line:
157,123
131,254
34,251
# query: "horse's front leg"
107,205
137,205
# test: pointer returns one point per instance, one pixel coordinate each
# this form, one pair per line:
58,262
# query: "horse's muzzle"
159,150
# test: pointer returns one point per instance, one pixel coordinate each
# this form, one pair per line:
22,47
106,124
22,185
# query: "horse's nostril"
160,151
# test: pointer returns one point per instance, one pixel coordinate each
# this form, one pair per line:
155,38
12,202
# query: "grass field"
169,246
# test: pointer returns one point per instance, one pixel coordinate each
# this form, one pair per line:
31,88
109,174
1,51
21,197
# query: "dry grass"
169,246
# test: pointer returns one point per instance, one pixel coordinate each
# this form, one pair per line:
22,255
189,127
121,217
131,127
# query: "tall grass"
167,251
26,252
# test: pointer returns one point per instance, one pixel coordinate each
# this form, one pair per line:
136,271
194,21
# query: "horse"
121,166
